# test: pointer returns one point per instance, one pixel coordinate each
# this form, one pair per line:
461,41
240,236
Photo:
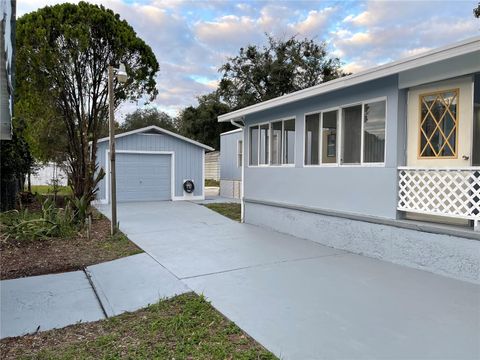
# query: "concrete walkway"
45,302
303,300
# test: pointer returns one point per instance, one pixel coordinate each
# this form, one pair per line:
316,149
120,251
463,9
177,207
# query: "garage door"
143,177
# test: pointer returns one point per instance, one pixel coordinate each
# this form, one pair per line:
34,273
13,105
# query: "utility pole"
111,125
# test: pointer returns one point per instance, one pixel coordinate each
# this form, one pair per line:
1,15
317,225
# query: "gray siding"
228,156
188,157
354,189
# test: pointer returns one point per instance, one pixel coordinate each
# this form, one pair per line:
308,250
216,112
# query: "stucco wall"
228,156
442,254
188,158
354,189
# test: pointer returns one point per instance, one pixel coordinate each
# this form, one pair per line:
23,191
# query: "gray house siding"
351,189
188,158
229,170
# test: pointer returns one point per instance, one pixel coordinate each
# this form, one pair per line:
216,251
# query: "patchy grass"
184,327
211,182
48,190
230,210
70,251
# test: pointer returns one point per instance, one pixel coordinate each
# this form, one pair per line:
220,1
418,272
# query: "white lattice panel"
445,192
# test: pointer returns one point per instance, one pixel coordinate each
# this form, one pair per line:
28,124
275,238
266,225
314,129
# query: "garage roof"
467,46
154,128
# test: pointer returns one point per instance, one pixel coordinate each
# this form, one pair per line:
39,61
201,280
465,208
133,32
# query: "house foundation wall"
230,188
447,255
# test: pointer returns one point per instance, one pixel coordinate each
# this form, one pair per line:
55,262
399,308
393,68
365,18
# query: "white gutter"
242,202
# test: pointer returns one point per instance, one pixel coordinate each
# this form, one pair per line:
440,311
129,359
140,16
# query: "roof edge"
463,47
162,130
231,131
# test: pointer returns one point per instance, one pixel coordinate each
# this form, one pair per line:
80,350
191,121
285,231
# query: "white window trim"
269,165
340,134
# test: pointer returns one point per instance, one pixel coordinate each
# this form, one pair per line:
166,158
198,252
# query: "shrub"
50,222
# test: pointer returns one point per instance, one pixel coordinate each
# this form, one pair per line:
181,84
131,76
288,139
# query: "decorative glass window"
438,124
239,153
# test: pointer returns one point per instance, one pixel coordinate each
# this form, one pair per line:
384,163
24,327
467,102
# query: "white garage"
153,164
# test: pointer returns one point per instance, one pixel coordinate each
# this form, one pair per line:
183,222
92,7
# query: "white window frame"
269,143
239,153
340,134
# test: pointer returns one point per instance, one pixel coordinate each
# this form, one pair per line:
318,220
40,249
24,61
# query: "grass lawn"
48,190
211,182
230,210
184,327
71,250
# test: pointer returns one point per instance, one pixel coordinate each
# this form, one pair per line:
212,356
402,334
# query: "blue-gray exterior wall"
188,158
353,189
228,156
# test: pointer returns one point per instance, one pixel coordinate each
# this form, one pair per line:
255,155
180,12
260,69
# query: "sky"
192,39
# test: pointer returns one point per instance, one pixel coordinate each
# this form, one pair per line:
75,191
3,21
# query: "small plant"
82,208
25,226
55,187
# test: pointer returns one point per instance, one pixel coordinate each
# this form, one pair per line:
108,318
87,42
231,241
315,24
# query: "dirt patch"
48,256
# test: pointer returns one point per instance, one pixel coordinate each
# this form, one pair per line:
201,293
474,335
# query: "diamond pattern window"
438,124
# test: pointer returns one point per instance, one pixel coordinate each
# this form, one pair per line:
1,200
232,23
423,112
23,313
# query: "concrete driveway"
302,300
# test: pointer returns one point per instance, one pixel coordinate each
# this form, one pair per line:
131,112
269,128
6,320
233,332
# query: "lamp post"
121,78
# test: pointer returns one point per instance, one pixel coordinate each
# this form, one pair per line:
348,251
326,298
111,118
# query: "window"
276,143
312,146
329,137
239,153
438,124
253,145
272,143
359,140
289,142
374,132
264,130
351,134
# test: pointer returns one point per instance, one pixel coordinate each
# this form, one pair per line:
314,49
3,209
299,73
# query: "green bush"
50,222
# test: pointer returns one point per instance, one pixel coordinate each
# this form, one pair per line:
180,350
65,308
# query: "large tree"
145,117
63,53
278,68
200,122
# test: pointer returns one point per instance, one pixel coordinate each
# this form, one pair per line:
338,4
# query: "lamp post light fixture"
121,75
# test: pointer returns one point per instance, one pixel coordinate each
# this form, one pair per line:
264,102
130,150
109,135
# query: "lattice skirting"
442,192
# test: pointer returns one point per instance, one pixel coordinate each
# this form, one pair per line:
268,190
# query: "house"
153,164
385,162
231,150
212,166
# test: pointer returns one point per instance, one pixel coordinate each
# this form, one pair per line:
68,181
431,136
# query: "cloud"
192,39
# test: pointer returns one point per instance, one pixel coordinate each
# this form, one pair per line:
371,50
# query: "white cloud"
192,39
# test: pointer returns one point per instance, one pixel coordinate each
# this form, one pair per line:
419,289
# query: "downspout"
242,202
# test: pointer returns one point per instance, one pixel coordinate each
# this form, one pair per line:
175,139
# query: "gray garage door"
143,177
